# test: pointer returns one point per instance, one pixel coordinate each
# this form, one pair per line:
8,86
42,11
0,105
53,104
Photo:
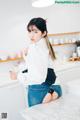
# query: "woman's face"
35,34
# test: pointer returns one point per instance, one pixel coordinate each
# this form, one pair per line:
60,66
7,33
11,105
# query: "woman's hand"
13,75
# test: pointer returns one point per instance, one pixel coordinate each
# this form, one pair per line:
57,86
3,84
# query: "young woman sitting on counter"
40,76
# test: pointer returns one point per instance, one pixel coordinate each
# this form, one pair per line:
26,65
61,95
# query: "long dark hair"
40,23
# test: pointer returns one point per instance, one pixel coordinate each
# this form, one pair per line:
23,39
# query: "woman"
39,63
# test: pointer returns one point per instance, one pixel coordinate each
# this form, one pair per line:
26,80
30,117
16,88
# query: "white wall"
61,18
14,16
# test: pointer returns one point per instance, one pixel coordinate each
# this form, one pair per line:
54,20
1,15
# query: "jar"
78,51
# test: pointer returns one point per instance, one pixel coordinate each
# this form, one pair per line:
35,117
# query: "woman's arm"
14,73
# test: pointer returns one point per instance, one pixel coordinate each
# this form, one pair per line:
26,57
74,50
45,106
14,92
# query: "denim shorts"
37,92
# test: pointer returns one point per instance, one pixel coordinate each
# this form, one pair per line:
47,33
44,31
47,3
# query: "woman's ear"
44,34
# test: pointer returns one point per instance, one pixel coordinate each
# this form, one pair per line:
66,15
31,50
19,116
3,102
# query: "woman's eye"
36,32
29,31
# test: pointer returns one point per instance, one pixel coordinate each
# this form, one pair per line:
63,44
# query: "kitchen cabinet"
13,97
67,71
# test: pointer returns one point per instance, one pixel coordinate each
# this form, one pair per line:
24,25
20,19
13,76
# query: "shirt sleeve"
37,62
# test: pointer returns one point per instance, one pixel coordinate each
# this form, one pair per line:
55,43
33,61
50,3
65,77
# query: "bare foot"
54,96
47,98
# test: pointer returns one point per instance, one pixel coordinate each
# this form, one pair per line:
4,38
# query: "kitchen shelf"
74,59
13,59
50,35
20,58
61,34
63,44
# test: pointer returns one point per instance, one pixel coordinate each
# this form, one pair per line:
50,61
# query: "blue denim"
57,89
37,92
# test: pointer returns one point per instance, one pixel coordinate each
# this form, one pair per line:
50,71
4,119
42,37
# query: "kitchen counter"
59,67
10,89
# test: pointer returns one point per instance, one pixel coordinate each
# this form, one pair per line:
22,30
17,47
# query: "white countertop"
58,67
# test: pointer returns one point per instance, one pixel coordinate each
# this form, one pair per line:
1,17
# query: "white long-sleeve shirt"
37,62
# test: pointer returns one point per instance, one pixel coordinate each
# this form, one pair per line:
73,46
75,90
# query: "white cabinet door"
68,74
12,100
